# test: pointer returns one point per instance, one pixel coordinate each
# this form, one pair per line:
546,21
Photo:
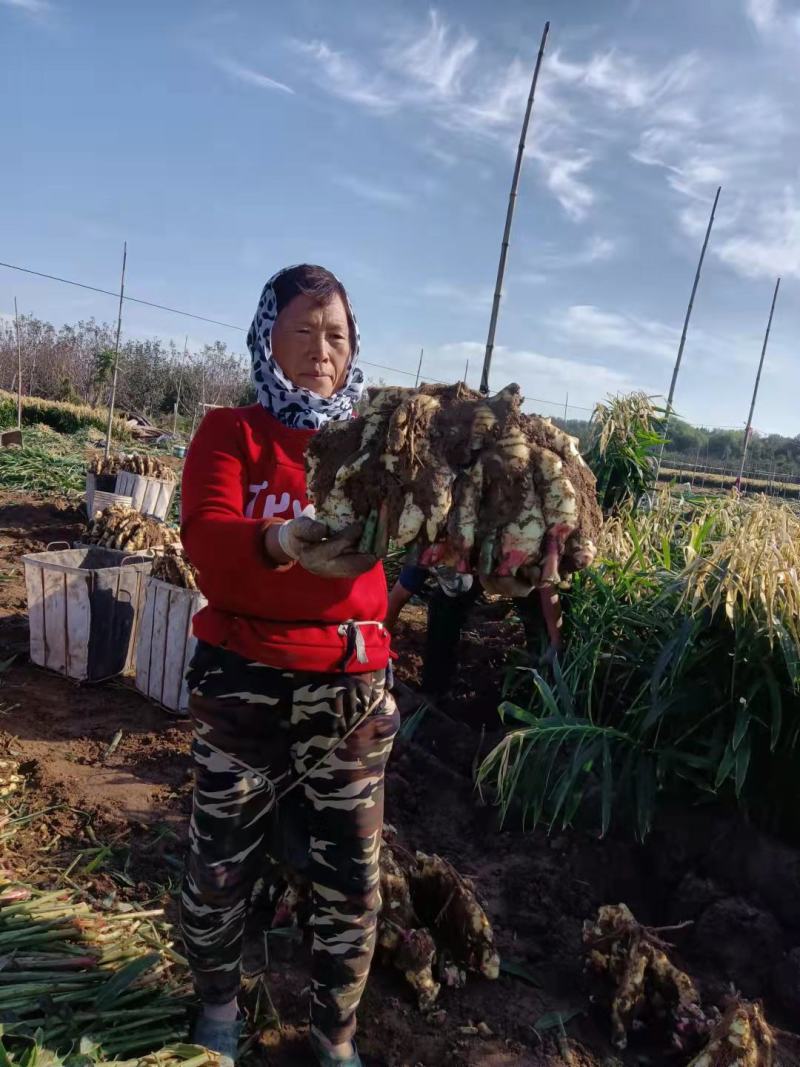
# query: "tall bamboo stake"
685,330
19,368
419,367
749,426
512,199
466,372
180,380
116,351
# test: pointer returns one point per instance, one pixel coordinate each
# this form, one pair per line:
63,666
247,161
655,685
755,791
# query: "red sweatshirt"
244,467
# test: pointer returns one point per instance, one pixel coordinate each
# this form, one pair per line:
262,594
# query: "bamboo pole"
113,397
748,428
466,373
419,367
685,330
180,380
512,199
19,368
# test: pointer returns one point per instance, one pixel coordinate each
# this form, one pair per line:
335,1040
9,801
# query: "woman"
288,685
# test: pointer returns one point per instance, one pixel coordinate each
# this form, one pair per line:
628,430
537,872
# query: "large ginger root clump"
644,985
431,926
173,567
119,526
10,779
470,481
741,1038
646,990
133,463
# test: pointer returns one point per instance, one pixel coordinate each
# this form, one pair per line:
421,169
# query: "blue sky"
224,140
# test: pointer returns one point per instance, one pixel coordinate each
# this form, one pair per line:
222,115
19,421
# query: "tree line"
688,446
75,363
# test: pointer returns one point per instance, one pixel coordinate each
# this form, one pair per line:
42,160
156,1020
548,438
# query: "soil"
433,446
740,889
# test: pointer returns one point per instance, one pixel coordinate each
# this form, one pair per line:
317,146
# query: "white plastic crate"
166,644
151,496
104,483
101,501
84,606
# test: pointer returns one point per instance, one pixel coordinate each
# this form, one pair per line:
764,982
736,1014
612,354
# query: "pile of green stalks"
74,977
87,1054
34,468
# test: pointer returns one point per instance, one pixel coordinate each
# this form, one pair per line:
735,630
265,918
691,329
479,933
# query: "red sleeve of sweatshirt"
244,467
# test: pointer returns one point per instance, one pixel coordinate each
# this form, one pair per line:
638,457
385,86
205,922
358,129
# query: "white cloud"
763,13
597,249
436,59
498,102
441,73
367,190
620,80
773,20
592,327
746,142
344,78
464,348
562,177
416,68
250,76
443,155
35,8
440,70
693,118
476,298
545,379
770,244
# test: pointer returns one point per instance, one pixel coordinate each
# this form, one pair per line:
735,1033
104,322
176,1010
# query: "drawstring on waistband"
355,645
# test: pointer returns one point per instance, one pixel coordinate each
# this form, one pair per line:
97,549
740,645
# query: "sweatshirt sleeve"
221,543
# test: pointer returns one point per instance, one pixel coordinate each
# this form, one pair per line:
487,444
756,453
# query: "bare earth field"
741,890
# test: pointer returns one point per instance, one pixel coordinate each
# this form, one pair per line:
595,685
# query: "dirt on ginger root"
642,983
431,926
741,1038
458,468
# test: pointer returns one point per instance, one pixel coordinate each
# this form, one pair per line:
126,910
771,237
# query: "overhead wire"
229,325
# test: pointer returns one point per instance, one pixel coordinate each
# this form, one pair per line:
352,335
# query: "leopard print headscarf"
290,404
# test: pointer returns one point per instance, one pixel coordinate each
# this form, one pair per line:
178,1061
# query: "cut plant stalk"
367,542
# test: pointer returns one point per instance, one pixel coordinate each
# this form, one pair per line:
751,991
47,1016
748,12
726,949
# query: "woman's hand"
310,544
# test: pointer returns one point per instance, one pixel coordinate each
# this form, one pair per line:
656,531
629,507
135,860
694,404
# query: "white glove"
310,544
295,534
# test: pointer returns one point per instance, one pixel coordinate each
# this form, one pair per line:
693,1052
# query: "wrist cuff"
269,560
283,541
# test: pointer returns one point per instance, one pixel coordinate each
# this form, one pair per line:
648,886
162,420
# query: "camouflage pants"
281,725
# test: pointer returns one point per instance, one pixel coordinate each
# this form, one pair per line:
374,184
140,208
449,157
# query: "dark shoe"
325,1059
220,1037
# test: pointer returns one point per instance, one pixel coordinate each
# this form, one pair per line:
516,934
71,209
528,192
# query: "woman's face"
311,343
